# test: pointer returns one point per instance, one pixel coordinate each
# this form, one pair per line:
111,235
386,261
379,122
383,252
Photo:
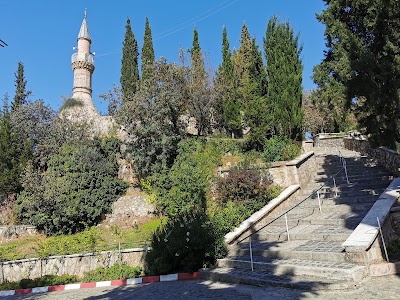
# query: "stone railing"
363,245
77,264
385,157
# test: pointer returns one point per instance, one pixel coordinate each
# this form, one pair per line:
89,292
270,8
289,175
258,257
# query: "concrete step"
266,279
295,249
364,177
369,199
346,220
311,206
345,188
303,232
297,267
356,193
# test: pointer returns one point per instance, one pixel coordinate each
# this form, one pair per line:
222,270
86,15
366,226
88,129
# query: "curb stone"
87,285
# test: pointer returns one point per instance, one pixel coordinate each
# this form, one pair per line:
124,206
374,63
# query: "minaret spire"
84,32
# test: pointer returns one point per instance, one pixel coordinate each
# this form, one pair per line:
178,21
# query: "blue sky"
41,33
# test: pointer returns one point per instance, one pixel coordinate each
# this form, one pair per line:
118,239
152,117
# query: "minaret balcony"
84,57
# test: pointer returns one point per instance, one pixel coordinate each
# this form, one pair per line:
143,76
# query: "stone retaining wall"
11,232
298,171
77,264
329,141
386,157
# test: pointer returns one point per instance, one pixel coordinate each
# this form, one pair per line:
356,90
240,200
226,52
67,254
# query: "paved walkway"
381,288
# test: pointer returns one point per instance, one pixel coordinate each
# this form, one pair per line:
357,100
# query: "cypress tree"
21,94
147,52
284,71
242,60
129,69
199,103
227,106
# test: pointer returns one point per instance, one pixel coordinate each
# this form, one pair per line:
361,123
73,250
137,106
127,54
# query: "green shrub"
76,190
226,145
243,185
181,190
181,245
237,196
71,102
115,272
290,151
47,280
280,149
86,241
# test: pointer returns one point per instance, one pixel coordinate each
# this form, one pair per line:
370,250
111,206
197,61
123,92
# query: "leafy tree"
147,52
316,116
284,70
114,99
226,106
361,65
74,192
152,120
21,94
15,151
9,165
129,69
199,102
38,122
182,189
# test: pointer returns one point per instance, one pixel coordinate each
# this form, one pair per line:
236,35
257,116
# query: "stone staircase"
312,257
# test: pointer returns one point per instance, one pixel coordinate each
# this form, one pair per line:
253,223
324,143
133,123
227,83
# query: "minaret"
83,67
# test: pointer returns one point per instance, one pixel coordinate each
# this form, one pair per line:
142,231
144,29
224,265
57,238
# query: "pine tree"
226,106
21,94
147,52
284,70
129,69
199,105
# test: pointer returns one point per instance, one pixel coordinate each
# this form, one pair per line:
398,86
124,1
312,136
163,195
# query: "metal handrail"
316,191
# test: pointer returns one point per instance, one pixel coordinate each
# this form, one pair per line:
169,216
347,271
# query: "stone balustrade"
387,158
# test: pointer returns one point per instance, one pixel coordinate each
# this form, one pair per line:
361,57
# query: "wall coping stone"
257,216
366,232
294,162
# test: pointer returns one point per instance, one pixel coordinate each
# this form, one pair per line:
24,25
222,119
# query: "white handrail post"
319,202
345,171
287,227
251,255
334,184
383,240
